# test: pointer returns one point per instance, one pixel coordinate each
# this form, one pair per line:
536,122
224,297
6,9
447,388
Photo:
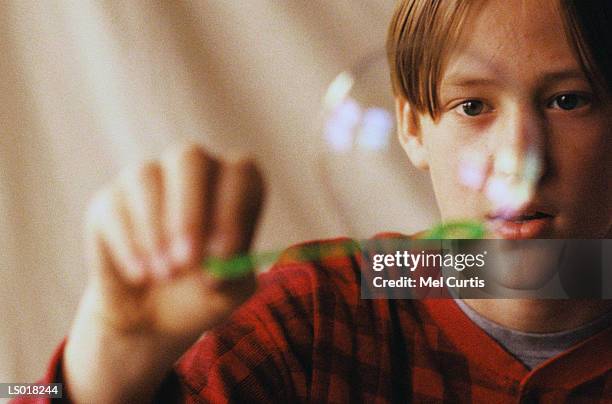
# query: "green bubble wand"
240,265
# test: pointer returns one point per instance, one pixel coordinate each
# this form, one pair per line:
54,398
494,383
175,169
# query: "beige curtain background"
90,86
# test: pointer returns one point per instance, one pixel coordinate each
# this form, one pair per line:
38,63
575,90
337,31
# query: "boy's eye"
568,102
471,108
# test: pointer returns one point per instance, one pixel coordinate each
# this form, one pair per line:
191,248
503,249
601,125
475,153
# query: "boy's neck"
540,316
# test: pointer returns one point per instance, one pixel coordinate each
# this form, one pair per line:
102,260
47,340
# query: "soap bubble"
366,176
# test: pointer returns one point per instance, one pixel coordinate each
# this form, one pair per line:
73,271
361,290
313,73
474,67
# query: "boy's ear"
409,134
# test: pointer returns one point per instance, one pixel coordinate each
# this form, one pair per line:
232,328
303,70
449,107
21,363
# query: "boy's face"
514,84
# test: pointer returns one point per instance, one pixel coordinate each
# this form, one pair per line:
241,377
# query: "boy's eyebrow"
560,75
470,81
460,80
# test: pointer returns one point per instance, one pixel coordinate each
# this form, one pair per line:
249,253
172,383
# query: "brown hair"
422,32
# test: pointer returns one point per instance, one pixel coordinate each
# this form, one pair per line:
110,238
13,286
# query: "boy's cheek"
584,199
581,169
443,146
455,200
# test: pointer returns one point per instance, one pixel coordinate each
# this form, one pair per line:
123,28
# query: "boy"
467,75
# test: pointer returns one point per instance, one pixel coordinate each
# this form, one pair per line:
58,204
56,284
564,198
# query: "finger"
143,190
112,250
190,181
236,209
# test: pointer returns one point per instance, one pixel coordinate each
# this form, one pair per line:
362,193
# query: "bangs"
420,36
423,32
588,26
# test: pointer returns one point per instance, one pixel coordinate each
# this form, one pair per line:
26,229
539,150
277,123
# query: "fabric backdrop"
90,86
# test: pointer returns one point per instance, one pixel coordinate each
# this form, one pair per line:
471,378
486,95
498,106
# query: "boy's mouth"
521,225
526,217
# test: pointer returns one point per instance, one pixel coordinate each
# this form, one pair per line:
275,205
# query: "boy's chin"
521,282
524,265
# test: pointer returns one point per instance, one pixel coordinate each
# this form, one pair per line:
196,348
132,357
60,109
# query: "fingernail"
181,251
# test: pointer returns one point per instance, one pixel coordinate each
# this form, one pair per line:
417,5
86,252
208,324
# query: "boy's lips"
529,223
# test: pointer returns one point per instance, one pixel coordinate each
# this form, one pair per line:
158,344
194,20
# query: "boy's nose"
517,154
524,128
520,141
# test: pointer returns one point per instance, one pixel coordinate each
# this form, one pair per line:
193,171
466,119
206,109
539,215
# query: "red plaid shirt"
307,336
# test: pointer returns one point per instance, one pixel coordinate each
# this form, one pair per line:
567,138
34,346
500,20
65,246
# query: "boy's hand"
148,297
